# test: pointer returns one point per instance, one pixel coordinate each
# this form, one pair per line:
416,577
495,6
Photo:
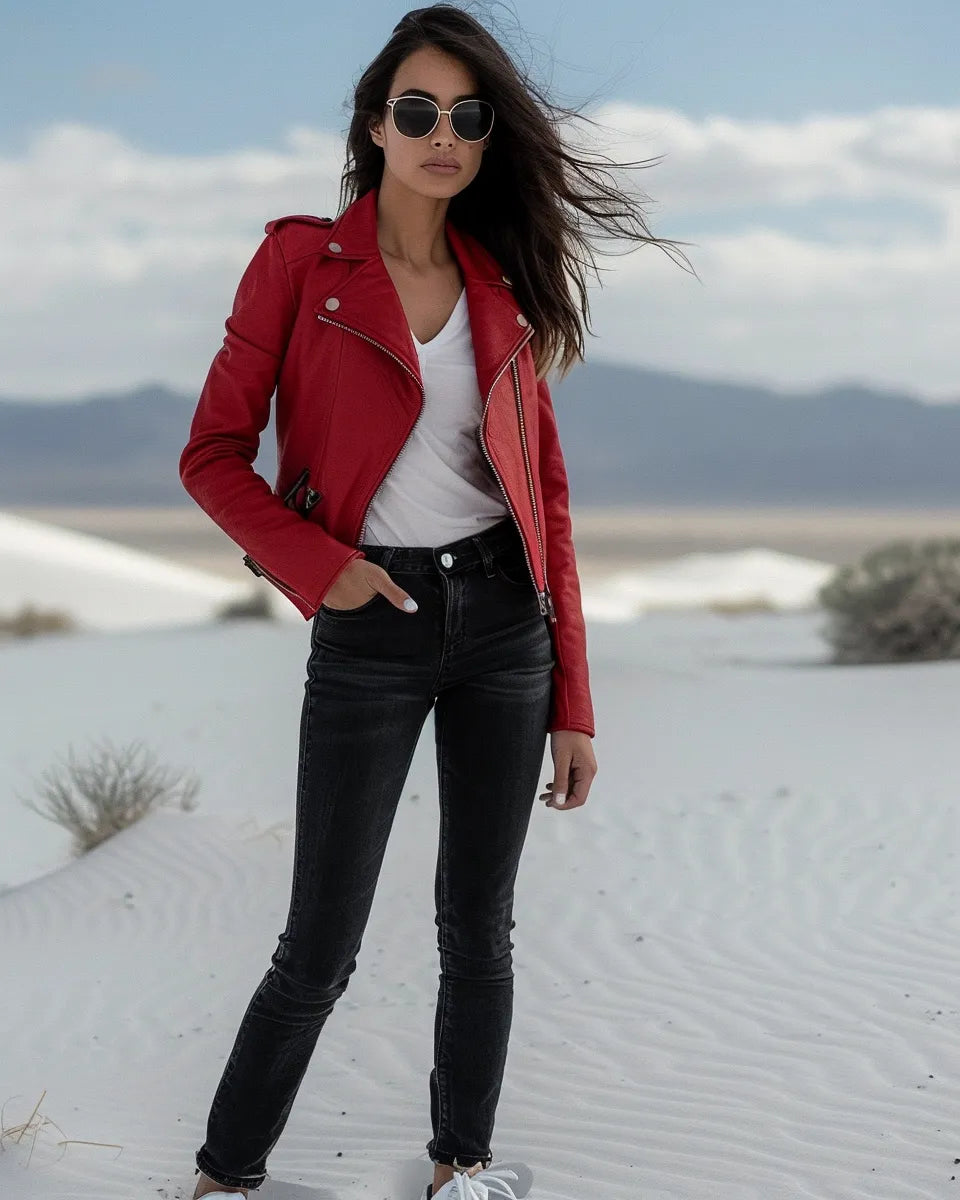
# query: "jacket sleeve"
571,706
294,553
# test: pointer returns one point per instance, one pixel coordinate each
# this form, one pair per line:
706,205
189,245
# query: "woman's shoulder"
299,234
303,218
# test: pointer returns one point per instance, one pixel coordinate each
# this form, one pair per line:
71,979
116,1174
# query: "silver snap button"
334,246
447,560
332,302
522,320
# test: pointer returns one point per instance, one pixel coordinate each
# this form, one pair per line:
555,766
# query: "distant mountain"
120,449
630,437
636,436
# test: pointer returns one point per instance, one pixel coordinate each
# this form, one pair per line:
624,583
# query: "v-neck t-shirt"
440,487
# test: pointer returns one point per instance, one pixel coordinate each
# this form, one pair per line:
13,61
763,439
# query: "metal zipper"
419,383
533,495
289,500
543,598
311,497
295,487
257,569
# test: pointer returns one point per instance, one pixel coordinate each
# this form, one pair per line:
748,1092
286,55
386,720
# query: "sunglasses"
417,117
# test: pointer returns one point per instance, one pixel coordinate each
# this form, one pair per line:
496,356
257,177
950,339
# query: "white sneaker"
489,1184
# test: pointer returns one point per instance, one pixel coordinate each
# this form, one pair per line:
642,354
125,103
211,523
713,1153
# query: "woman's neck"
411,228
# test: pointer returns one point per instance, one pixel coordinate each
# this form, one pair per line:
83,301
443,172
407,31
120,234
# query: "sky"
810,155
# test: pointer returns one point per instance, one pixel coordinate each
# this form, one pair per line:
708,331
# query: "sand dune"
735,965
103,584
108,585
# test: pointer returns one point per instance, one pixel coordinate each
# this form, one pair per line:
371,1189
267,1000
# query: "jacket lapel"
367,302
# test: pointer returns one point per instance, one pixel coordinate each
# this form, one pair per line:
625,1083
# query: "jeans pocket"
514,570
349,612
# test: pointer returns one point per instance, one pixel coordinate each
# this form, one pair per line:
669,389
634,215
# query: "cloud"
122,263
893,152
873,300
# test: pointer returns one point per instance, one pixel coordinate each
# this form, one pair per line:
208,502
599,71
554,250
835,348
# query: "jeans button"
447,559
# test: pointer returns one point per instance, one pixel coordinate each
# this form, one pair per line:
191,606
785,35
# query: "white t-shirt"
440,487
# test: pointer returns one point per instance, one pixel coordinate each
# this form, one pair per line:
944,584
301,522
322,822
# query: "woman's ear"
375,129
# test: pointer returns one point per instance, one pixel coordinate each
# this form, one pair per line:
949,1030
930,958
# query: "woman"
421,521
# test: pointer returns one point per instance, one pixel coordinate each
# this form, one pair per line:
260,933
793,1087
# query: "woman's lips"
443,169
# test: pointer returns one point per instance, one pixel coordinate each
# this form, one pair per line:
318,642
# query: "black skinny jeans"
479,651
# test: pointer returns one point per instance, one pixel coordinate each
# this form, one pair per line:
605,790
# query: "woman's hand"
574,767
359,581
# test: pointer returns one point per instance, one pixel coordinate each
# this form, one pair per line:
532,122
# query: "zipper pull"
546,604
313,497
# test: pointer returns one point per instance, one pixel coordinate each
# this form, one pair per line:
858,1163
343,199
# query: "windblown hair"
533,201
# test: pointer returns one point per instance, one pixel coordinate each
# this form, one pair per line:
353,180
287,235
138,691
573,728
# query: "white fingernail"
560,797
410,604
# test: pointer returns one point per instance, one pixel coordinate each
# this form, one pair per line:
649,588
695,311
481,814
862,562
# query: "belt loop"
485,554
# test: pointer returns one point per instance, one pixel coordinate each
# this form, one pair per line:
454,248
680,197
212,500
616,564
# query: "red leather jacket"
317,319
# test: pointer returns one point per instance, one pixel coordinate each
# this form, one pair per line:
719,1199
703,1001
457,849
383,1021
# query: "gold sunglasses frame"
440,112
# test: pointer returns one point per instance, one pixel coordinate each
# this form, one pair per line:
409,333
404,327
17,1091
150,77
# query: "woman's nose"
444,130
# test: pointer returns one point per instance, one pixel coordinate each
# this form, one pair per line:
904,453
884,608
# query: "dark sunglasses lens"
472,119
414,116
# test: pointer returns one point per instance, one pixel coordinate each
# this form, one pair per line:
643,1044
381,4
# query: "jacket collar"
368,302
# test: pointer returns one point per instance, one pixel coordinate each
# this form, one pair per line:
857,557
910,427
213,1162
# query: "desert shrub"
898,603
256,605
29,620
95,798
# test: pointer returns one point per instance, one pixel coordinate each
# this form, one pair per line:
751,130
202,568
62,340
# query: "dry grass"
112,789
31,1129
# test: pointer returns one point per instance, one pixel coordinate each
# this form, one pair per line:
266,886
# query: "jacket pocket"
300,496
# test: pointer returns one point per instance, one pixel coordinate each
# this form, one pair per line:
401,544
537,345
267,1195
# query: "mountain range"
630,437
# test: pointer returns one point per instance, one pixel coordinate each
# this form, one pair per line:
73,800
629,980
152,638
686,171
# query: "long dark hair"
533,199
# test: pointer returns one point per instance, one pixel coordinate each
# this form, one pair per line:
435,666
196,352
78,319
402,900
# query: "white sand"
736,965
757,577
104,585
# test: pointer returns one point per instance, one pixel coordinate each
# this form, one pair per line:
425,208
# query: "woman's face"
445,79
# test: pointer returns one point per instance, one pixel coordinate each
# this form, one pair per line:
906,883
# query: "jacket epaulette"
308,220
